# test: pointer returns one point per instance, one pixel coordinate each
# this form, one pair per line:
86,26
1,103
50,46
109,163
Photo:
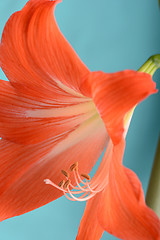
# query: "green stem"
153,193
151,65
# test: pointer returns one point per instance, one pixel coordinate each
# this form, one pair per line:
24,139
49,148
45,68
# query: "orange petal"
34,54
89,228
43,101
47,121
23,168
116,94
26,120
122,209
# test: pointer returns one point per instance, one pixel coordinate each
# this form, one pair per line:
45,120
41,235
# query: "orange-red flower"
57,115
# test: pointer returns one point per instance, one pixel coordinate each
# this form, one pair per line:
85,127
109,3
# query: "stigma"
85,188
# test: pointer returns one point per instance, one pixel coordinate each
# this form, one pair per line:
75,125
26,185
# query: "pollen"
74,166
66,184
61,183
86,176
65,173
84,188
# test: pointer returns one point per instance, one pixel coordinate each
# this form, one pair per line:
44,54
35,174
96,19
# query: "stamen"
61,183
67,184
66,174
87,185
82,188
47,181
74,166
85,188
86,176
82,198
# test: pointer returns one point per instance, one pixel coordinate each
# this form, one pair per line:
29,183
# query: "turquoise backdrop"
108,35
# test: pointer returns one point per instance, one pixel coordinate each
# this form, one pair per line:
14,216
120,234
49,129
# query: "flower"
57,116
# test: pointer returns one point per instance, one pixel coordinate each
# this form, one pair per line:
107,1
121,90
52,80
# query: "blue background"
108,35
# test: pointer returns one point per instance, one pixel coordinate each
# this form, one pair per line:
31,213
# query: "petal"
115,95
89,228
23,168
43,101
122,209
34,54
26,120
48,123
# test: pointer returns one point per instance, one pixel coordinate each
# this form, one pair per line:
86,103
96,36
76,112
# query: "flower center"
84,189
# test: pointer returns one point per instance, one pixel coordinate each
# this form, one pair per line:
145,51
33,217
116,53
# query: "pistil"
85,190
